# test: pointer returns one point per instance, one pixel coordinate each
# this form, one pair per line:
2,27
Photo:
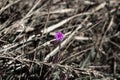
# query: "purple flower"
59,36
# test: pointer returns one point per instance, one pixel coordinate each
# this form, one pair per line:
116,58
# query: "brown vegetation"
89,51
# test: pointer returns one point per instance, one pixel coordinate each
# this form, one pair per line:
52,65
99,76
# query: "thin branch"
6,7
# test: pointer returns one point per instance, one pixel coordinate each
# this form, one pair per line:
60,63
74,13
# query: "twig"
28,14
53,27
117,45
4,8
75,55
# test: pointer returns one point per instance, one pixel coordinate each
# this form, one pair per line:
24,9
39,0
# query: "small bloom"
59,36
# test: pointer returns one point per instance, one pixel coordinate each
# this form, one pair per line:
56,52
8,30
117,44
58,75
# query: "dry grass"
89,51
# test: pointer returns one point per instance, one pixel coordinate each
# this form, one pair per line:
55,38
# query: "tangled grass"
90,49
